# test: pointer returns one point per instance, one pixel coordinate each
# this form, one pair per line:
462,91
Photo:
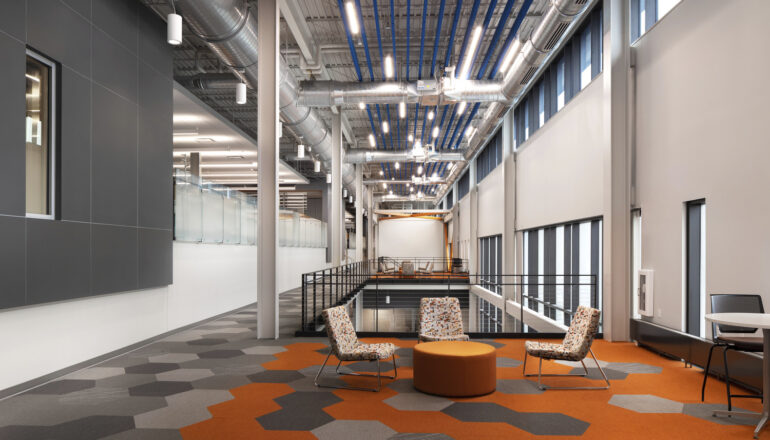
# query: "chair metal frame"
540,374
726,346
379,374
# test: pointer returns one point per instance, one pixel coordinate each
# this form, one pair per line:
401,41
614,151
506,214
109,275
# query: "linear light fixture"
33,78
419,170
402,109
372,143
388,67
410,138
461,107
435,132
397,165
465,71
431,115
350,11
382,173
385,127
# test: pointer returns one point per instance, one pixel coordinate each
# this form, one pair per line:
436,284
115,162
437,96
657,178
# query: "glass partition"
205,212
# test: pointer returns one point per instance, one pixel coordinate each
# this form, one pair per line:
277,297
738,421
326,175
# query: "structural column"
336,190
359,212
616,280
370,253
267,195
195,164
509,215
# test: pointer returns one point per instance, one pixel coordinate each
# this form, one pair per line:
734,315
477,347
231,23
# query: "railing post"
304,300
315,277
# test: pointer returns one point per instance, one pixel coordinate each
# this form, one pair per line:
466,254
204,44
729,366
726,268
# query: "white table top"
753,320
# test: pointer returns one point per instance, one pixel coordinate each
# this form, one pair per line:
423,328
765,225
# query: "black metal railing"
552,299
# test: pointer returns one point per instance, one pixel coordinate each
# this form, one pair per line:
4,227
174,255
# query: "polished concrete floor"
217,381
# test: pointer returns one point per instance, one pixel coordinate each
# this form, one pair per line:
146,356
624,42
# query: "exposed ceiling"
392,27
228,155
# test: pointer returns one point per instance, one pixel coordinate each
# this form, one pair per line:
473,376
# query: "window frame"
52,129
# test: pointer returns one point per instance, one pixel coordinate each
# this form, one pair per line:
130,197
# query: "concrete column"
195,164
336,190
509,211
616,280
267,196
359,213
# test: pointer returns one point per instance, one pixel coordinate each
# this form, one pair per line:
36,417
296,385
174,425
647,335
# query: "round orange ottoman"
455,368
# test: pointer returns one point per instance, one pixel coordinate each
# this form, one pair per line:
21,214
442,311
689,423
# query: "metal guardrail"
536,293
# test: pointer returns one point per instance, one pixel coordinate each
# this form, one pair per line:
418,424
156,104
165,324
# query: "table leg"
765,414
765,381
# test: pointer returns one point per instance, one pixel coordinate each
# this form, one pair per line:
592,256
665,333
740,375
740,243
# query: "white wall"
209,280
559,169
702,114
411,237
491,193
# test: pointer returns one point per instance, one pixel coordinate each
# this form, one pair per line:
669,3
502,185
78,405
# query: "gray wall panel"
153,48
60,33
58,260
12,106
118,18
12,20
155,182
114,66
114,159
155,93
12,267
75,147
82,7
155,258
114,251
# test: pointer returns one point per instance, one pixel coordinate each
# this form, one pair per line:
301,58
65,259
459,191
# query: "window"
645,13
449,199
562,269
491,262
579,62
40,136
490,157
585,57
695,267
463,185
560,84
636,259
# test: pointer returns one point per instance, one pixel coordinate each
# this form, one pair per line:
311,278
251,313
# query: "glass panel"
585,58
560,84
38,139
213,216
232,220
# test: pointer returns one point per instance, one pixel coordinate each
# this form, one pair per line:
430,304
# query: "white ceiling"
228,155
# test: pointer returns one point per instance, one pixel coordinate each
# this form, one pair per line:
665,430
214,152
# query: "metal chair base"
379,376
730,396
540,375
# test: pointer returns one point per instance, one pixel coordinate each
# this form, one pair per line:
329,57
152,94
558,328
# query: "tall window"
645,13
695,266
40,136
578,63
463,185
491,262
449,199
490,157
562,269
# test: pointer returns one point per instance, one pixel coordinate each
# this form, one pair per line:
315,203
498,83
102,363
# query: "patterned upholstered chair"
441,320
347,348
575,347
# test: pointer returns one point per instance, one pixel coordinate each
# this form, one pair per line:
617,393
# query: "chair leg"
540,375
378,376
727,380
706,373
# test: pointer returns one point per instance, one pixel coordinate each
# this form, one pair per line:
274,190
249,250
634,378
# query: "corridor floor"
217,381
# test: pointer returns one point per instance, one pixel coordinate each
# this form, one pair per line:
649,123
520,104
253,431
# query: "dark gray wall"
113,228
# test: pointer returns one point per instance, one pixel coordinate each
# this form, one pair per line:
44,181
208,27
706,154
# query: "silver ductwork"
556,21
379,156
229,28
403,182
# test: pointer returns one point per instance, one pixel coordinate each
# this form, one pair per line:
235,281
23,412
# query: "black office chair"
726,303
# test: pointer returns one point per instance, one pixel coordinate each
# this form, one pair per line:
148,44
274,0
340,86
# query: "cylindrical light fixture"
397,165
351,199
430,115
317,166
410,138
361,105
419,170
382,173
300,151
385,127
174,29
328,178
240,93
344,192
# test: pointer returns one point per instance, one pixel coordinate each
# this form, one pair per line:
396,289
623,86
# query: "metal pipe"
229,29
372,156
371,182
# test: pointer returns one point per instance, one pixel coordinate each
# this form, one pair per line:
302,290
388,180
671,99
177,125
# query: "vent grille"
529,75
581,2
556,36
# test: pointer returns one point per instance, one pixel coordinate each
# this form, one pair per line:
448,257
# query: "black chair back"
728,303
